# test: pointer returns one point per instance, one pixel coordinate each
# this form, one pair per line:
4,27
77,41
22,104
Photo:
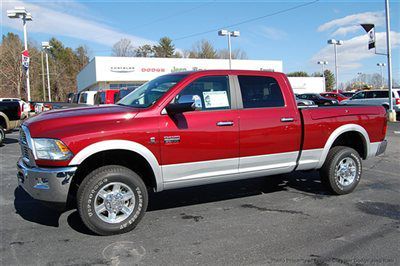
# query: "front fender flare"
121,145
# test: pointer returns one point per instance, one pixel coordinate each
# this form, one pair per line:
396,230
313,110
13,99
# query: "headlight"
51,149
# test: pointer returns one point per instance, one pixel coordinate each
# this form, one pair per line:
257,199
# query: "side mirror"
178,108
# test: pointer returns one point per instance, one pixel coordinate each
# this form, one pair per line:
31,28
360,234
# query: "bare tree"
203,49
11,74
236,54
123,48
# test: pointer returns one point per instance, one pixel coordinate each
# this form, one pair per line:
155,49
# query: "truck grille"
26,151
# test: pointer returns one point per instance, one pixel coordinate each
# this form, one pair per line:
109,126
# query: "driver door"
205,142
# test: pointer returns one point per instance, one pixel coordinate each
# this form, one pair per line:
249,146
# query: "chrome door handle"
225,123
287,119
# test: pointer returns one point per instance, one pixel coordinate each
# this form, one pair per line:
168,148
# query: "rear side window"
83,98
377,94
258,92
208,93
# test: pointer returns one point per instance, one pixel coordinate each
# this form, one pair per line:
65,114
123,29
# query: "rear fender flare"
339,131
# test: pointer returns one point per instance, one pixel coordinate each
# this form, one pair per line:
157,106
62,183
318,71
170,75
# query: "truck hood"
54,124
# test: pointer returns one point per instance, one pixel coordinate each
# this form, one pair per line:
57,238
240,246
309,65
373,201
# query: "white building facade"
123,72
106,72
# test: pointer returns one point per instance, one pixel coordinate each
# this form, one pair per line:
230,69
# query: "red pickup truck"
187,129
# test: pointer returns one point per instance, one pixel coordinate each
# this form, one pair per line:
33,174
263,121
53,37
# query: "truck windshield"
147,94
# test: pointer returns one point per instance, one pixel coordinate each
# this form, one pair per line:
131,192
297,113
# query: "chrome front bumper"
45,184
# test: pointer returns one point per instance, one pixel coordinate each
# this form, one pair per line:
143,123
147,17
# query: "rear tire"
342,170
2,135
112,200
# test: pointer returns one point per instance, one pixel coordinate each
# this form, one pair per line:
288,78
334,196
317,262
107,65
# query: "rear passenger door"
270,126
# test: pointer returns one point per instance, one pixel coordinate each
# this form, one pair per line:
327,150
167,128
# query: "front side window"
147,94
208,93
359,95
260,92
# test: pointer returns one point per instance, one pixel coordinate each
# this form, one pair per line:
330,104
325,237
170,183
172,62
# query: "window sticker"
215,99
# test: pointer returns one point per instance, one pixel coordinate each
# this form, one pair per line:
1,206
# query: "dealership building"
105,72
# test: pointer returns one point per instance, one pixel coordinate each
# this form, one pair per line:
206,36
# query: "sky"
295,32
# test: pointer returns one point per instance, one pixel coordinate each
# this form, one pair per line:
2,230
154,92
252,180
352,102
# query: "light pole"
234,33
381,65
335,43
43,82
323,64
46,46
392,112
20,12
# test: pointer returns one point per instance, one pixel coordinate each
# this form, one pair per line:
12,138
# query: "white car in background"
87,97
25,107
375,97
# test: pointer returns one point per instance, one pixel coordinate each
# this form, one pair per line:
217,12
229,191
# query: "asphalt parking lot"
290,219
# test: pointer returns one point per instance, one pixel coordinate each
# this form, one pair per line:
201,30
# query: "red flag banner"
25,59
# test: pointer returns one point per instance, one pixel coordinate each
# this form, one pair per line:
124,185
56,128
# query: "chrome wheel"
114,202
346,171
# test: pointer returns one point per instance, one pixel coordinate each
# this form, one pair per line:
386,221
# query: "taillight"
19,111
385,125
397,101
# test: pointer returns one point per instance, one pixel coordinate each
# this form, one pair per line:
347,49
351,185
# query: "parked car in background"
348,94
25,107
334,95
75,98
303,102
105,96
87,97
10,116
318,99
376,97
122,93
70,97
189,129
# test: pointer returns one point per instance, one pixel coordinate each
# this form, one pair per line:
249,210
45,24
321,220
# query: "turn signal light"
62,146
397,101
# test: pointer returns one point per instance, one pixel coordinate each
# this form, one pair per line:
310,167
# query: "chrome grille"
22,137
26,151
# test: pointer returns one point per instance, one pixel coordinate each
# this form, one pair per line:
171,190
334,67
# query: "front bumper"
45,184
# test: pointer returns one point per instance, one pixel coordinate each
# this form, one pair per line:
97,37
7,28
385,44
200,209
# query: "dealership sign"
122,69
25,59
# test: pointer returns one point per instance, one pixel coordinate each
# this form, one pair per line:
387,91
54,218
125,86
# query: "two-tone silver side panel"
207,172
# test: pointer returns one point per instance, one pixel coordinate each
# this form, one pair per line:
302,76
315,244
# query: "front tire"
342,170
2,135
112,200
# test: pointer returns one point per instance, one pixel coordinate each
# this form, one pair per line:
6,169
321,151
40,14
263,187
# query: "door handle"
287,119
225,123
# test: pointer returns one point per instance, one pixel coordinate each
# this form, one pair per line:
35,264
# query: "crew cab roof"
225,72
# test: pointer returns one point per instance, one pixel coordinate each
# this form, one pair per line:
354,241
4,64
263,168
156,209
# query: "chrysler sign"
122,69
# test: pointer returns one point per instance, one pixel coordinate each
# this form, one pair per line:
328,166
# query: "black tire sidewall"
2,135
86,200
335,185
